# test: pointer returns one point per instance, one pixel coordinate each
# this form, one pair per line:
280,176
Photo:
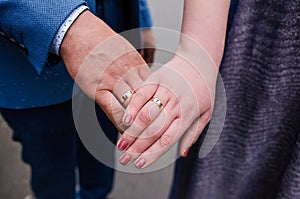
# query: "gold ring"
127,95
158,103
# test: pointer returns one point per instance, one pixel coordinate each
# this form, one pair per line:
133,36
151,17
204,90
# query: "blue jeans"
51,147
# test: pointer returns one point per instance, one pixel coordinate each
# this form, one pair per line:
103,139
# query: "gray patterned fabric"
258,154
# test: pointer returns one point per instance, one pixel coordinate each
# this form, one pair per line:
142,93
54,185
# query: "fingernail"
185,153
124,159
122,145
127,120
140,163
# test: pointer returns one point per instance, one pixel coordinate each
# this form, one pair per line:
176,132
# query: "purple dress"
258,153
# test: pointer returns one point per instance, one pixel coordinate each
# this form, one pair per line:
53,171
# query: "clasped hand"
152,111
175,102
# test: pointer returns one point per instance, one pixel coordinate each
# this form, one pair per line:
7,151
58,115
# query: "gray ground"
14,174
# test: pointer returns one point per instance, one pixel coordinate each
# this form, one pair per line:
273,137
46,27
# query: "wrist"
199,59
82,37
56,43
213,49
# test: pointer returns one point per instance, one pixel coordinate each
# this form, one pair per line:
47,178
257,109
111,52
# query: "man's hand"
103,64
176,101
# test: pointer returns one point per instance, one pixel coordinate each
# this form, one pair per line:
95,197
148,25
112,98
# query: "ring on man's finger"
158,103
127,95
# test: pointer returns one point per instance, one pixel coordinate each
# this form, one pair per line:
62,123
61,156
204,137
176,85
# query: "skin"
88,43
87,52
187,92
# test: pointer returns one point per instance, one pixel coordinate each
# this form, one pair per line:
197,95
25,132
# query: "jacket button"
2,33
22,46
12,40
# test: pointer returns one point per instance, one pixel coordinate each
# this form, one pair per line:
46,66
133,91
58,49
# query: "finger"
139,99
128,84
144,72
147,114
149,122
123,92
136,76
148,136
111,106
162,145
193,133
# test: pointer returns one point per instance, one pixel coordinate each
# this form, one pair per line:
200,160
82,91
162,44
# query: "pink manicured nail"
127,120
185,153
122,145
125,158
140,163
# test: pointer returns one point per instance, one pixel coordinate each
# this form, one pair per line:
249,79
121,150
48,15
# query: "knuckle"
190,105
103,103
136,149
144,118
151,133
117,112
166,140
130,135
115,74
132,107
107,107
143,71
120,126
141,94
128,138
177,100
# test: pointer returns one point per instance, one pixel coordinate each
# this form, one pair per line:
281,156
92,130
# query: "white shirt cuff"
55,47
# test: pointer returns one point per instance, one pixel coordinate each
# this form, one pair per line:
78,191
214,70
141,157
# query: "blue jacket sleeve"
145,16
34,24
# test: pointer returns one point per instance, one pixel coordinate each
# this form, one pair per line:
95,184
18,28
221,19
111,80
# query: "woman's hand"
185,87
176,100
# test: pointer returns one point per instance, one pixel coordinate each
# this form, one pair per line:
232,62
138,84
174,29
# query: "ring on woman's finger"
158,103
127,95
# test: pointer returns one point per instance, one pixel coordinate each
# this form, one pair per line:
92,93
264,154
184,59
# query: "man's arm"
33,24
119,67
82,37
103,64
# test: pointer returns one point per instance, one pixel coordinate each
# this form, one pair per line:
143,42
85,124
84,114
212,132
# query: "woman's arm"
185,86
205,22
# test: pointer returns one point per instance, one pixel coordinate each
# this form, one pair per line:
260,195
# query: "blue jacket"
29,75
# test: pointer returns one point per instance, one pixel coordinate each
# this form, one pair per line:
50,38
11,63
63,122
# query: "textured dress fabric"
258,153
